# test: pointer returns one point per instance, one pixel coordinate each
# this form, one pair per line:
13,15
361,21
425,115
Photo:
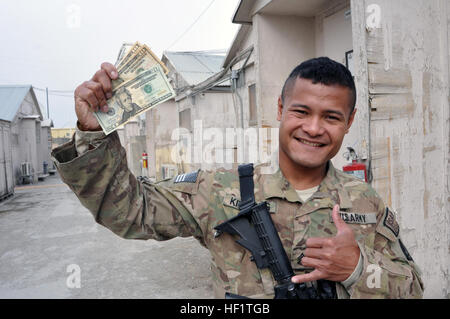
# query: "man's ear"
350,120
280,108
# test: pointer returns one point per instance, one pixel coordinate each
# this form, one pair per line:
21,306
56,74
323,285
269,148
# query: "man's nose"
314,127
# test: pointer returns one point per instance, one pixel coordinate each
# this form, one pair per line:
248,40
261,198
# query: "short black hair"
325,71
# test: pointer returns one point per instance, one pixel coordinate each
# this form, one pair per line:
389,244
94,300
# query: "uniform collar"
331,185
276,185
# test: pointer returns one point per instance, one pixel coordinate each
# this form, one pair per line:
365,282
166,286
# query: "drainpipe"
234,78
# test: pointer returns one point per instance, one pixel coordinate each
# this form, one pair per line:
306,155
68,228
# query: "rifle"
257,233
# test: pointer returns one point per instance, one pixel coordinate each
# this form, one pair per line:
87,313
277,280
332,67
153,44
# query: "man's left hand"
333,258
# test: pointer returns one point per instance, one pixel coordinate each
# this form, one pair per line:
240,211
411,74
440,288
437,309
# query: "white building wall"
134,144
211,113
47,137
41,148
161,121
406,65
23,133
289,37
16,156
27,151
6,170
247,77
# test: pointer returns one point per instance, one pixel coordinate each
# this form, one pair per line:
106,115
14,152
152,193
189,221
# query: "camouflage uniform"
193,204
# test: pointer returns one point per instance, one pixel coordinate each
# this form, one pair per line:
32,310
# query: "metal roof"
11,97
195,67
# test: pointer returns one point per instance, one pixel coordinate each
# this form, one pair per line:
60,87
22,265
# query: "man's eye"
334,118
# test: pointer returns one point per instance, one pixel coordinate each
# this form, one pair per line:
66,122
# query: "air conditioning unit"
26,169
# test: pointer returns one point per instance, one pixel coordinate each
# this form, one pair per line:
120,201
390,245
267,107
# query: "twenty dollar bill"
147,89
142,60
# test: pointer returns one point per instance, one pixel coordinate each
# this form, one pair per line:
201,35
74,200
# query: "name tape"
357,218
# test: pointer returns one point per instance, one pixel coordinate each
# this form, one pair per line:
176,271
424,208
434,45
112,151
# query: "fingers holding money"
84,114
104,80
99,89
104,76
92,93
110,70
91,96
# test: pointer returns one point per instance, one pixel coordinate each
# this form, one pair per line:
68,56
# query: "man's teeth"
309,143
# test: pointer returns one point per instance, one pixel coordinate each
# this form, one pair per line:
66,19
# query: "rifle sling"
246,186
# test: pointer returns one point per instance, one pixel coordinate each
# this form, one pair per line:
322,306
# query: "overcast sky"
61,43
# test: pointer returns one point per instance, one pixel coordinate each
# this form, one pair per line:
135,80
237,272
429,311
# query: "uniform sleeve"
101,180
347,283
86,140
388,269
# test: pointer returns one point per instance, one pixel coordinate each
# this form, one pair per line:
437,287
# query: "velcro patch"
357,218
390,222
186,178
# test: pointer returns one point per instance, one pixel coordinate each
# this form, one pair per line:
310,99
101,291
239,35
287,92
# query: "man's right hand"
91,97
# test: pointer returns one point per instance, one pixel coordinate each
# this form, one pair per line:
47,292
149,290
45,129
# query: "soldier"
332,225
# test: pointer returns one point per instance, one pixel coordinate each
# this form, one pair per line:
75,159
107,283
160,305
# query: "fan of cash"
141,85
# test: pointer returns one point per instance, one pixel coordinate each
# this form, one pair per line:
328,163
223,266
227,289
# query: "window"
253,118
185,119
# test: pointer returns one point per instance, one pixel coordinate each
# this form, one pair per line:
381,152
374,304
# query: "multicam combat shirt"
193,204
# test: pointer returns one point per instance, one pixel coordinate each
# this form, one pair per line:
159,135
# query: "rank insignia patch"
186,178
390,222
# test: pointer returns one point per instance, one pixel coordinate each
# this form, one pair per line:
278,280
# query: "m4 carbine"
257,233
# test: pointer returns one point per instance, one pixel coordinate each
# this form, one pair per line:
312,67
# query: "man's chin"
308,163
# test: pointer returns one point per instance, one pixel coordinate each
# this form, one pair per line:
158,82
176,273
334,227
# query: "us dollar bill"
142,60
126,47
134,97
128,54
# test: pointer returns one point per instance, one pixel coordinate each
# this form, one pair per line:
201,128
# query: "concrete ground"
47,239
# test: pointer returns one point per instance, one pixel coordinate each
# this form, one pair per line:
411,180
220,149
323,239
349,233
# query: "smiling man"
332,226
315,110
